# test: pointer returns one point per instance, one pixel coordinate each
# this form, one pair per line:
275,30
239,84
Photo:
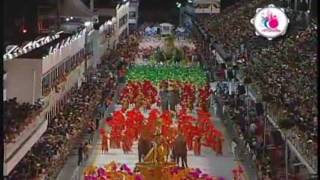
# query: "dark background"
19,14
22,14
159,11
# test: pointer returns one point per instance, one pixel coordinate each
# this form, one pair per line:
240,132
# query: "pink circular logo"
270,21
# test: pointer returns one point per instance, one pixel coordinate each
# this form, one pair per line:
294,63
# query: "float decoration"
157,73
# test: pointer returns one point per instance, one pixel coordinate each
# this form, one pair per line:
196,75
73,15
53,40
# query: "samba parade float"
164,109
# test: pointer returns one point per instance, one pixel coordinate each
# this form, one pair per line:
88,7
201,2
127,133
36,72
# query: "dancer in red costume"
188,96
105,143
197,139
219,142
115,138
211,139
204,94
138,121
204,121
197,145
127,140
117,123
153,116
166,118
131,122
126,91
189,137
185,124
171,137
149,92
166,124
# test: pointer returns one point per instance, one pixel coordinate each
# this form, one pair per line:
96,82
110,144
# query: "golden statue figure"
159,153
156,163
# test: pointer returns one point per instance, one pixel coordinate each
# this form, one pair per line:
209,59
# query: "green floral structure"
157,73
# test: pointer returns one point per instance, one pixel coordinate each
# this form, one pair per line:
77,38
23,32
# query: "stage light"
24,31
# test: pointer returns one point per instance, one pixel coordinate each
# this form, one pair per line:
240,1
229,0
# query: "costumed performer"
219,142
105,143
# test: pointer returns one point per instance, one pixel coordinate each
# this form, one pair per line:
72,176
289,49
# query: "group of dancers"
140,114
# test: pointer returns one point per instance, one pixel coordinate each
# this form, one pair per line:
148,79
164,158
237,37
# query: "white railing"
12,147
14,152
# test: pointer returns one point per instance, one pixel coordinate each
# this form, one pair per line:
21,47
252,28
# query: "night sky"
19,14
166,10
23,13
159,11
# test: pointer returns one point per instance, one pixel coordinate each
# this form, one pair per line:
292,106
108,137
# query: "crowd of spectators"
49,153
255,144
286,77
283,71
78,117
17,117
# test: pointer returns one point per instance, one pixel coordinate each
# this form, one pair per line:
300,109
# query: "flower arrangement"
111,171
114,171
178,173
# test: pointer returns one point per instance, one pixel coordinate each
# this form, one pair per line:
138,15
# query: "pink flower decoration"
175,170
138,177
204,175
194,174
126,168
101,172
94,178
198,171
